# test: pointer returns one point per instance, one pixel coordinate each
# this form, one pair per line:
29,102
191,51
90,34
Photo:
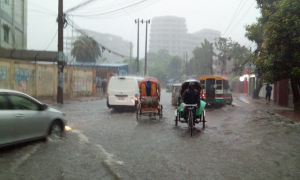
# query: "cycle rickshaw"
149,104
200,112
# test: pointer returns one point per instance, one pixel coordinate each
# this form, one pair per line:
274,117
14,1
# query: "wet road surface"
242,141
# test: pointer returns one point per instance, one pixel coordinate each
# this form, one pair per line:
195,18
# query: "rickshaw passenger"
190,96
148,88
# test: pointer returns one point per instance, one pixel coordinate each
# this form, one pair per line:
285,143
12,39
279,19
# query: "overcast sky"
227,16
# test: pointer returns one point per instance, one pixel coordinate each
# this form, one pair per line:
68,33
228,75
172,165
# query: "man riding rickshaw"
191,109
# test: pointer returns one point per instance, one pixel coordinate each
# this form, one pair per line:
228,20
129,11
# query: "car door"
30,121
6,121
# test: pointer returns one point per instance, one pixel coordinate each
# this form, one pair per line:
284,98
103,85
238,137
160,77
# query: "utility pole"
130,51
137,21
186,59
60,64
145,71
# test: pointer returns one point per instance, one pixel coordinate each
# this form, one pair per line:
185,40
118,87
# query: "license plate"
218,100
121,98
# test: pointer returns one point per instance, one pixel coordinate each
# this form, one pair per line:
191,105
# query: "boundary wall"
40,79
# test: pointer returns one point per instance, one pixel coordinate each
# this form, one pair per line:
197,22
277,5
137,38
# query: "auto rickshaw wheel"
203,120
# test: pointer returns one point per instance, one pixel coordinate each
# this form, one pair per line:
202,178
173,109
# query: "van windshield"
123,84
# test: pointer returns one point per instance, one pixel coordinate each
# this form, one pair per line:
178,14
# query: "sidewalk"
272,107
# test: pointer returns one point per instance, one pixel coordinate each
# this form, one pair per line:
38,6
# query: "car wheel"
56,130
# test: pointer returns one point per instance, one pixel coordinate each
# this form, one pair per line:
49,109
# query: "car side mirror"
231,89
43,106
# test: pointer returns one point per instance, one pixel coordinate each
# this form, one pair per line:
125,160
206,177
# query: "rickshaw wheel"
190,123
203,120
160,113
176,120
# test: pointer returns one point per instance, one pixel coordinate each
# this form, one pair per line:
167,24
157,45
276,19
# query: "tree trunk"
255,94
295,83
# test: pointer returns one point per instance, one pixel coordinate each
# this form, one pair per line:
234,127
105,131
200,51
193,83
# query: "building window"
6,34
6,2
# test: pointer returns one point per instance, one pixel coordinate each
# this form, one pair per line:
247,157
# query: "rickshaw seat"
149,101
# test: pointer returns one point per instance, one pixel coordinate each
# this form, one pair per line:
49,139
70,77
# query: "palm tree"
85,49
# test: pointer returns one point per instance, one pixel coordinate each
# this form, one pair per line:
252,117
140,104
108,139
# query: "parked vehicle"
123,92
175,93
23,118
149,99
216,90
200,112
169,87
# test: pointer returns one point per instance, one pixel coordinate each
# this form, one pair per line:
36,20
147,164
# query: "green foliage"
228,50
132,66
201,63
254,32
85,49
279,56
162,65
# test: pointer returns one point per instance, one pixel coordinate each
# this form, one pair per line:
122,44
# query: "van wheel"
107,104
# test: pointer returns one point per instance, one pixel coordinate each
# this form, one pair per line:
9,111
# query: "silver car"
23,118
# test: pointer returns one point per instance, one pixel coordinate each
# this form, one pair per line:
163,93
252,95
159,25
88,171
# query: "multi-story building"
168,33
13,24
115,46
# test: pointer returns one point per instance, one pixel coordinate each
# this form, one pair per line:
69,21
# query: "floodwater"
242,141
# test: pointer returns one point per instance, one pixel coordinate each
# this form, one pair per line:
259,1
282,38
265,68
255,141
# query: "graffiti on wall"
22,75
3,73
79,84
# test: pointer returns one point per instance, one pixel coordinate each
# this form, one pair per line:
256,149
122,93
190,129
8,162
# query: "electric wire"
103,47
51,40
112,11
233,17
242,17
79,5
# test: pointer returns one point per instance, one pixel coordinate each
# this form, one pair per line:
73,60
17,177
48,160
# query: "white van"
123,92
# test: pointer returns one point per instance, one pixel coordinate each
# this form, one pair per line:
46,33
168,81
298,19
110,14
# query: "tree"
228,50
202,60
85,49
132,66
162,65
255,32
279,56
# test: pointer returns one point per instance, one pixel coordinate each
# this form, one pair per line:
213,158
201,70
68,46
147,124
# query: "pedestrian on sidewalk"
104,83
268,93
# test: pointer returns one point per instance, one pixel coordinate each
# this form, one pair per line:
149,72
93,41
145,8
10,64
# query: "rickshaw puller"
190,96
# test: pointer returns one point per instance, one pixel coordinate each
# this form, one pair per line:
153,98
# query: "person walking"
104,83
268,93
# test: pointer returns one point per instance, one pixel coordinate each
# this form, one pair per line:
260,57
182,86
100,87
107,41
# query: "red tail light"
203,95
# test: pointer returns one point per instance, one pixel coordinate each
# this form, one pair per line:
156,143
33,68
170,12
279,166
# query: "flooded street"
242,141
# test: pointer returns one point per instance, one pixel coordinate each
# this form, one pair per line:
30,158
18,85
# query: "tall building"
195,39
13,24
168,33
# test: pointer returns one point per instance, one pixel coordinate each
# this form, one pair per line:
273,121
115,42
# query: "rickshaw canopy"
185,85
150,87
